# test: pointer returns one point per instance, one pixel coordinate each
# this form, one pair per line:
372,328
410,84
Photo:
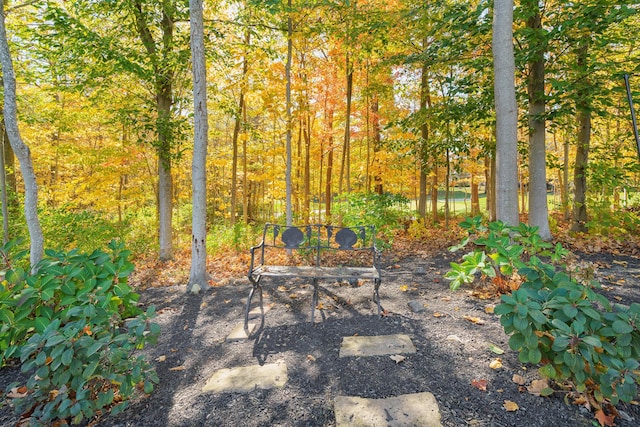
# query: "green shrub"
556,318
387,212
74,326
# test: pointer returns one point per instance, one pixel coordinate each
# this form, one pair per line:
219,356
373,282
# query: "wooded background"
391,102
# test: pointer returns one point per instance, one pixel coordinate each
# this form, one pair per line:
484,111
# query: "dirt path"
452,352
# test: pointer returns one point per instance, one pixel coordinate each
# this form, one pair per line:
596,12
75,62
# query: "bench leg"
314,299
376,295
256,285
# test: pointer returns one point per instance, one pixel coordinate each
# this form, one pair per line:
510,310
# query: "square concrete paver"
418,409
238,333
247,378
380,345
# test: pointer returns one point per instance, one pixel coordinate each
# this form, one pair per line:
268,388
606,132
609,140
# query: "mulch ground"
452,336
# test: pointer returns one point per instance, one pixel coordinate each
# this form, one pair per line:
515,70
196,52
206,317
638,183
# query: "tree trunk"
538,210
345,167
20,149
288,177
580,217
236,134
327,192
164,99
434,193
198,277
475,196
423,159
506,113
377,146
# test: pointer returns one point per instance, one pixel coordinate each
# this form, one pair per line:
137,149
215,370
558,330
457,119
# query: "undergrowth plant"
75,328
556,318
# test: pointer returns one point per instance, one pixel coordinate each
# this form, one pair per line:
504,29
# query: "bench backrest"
319,236
312,242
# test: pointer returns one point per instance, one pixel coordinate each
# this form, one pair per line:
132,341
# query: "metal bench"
314,252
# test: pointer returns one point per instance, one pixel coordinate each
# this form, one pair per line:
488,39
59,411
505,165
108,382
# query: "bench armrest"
253,250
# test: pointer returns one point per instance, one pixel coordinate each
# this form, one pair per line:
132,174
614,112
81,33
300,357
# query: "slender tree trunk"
434,192
236,133
288,177
328,190
565,182
538,209
164,99
580,217
345,167
3,184
506,113
198,276
424,140
377,146
165,180
475,196
20,149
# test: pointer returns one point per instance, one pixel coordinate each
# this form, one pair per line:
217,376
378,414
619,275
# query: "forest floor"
456,337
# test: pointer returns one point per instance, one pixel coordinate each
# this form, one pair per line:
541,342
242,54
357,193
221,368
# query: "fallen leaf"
495,349
404,288
310,358
604,419
438,314
476,320
480,384
490,309
539,388
293,296
397,358
454,338
161,358
282,288
177,368
203,305
510,406
17,392
496,363
227,301
625,264
519,379
446,298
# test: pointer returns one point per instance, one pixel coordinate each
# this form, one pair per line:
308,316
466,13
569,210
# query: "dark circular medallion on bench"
292,237
346,238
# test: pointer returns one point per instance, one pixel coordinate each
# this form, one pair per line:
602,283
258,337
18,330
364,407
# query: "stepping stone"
255,312
380,345
416,306
238,333
417,409
247,378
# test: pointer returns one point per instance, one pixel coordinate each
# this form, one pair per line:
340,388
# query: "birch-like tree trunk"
506,113
198,276
288,173
20,149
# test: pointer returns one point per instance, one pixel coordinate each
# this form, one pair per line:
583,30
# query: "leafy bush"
387,212
74,326
556,318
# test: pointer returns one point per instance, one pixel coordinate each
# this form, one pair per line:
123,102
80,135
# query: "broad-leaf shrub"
556,318
74,326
